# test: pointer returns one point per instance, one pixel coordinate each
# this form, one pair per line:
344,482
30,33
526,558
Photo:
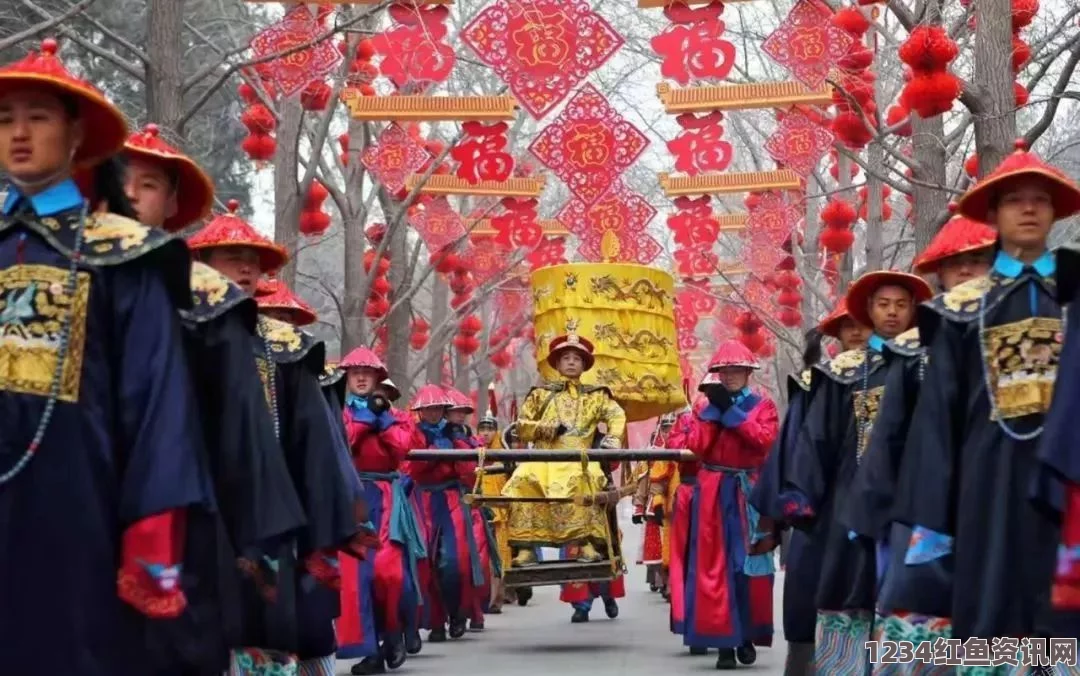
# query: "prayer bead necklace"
271,379
862,413
995,414
61,357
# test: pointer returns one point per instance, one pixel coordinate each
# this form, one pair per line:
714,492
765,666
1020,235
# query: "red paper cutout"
799,144
807,43
699,297
542,48
549,252
696,262
482,153
614,227
394,157
438,224
700,147
487,259
291,73
415,54
589,145
693,48
517,227
694,224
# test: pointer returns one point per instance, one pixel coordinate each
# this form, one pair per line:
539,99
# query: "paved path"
539,640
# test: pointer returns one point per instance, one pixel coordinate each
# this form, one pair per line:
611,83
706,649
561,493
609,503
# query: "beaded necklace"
862,414
271,378
61,357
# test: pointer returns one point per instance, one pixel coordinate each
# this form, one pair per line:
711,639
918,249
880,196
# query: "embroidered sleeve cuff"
926,546
733,417
711,414
324,568
795,505
149,575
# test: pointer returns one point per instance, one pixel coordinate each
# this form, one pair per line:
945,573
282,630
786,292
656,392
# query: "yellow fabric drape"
580,410
492,485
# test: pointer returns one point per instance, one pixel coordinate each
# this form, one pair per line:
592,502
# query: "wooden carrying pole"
553,454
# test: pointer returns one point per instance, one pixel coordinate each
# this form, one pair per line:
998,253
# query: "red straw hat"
975,203
274,294
104,126
194,189
431,396
364,358
229,230
860,291
571,341
733,353
461,401
830,326
959,235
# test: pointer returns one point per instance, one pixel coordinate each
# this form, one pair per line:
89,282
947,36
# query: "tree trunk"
397,350
357,281
164,73
806,262
287,199
440,304
995,122
928,150
875,247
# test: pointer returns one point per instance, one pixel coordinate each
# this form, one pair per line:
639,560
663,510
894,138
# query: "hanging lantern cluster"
315,97
378,303
1023,13
499,353
466,342
790,298
419,335
362,72
837,217
462,286
749,332
931,89
864,204
854,99
314,222
259,145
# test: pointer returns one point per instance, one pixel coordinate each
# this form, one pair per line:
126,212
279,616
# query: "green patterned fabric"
840,645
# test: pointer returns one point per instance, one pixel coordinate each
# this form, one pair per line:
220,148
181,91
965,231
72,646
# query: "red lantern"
852,21
747,322
753,340
1023,13
470,326
790,317
897,114
259,147
418,340
789,298
377,307
315,96
466,345
836,240
501,359
380,286
314,223
838,214
1021,94
461,282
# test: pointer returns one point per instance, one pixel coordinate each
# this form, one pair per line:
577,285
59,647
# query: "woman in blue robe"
93,379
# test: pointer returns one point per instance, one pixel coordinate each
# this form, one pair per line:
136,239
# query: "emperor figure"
563,414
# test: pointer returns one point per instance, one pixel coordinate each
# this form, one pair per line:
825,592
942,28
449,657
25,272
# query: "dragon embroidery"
643,292
644,341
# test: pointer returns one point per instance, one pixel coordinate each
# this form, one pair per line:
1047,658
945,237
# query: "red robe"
722,606
680,523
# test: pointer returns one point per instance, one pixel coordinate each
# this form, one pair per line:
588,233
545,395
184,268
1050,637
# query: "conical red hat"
571,341
429,396
460,399
733,353
228,229
104,126
194,189
830,326
274,294
363,357
860,291
960,235
975,203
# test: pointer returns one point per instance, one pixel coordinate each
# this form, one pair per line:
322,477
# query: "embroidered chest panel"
34,310
866,404
266,375
1021,361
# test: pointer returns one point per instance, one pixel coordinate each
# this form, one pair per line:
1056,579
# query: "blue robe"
123,442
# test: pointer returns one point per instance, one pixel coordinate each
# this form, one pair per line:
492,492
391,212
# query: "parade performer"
290,364
657,514
993,346
846,395
455,573
254,495
380,593
562,414
491,485
728,592
457,416
510,439
277,301
96,382
801,554
913,601
582,595
681,511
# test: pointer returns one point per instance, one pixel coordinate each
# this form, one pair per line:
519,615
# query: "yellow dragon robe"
580,408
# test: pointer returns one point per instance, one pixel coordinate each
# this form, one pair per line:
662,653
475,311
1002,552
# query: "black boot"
368,665
437,635
580,615
746,654
524,595
393,652
457,628
726,659
611,608
698,650
413,643
476,625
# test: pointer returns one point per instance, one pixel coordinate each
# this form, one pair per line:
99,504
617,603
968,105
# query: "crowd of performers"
227,503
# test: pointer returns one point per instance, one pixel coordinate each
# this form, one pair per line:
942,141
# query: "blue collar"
876,342
64,196
1007,266
355,400
742,394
